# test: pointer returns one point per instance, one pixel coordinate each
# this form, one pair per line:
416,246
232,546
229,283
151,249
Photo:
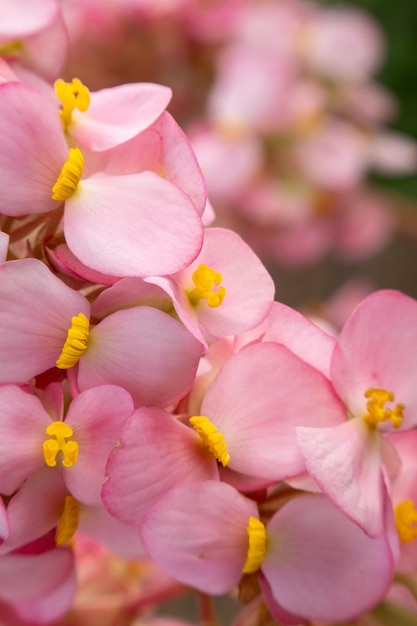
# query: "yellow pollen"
376,410
68,522
76,342
61,432
11,49
257,546
211,438
406,521
69,176
73,95
207,281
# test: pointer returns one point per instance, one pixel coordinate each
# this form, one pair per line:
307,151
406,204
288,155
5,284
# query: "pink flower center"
378,412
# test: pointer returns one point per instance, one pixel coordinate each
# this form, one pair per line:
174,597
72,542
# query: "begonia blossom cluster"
164,423
286,90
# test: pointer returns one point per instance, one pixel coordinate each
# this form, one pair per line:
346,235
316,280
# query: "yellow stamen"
207,281
257,546
406,521
211,438
76,342
11,48
61,432
69,176
68,522
73,95
377,412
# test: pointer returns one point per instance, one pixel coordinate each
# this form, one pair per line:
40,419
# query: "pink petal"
258,399
143,350
120,539
346,463
117,114
136,210
320,565
197,534
22,432
129,292
156,454
33,150
97,417
35,315
18,19
377,348
303,337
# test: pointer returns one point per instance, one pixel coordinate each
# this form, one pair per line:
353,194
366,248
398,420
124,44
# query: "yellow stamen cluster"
61,432
73,95
69,176
68,522
76,342
207,281
257,546
11,48
406,520
211,438
376,410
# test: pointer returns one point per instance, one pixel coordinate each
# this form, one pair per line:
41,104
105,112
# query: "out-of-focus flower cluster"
163,422
282,107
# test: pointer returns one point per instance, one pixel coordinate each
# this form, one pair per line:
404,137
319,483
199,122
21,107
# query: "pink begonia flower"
39,314
225,291
373,369
256,401
314,559
81,443
34,35
216,148
393,153
134,208
251,89
156,454
344,44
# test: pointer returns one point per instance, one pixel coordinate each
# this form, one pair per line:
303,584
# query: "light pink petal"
287,326
19,19
63,260
35,315
377,348
117,114
197,534
4,245
164,149
129,292
4,523
96,417
33,150
25,578
346,463
143,350
120,539
46,51
156,454
133,225
23,423
42,497
320,565
258,399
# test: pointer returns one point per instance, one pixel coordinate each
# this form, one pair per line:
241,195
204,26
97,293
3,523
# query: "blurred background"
317,171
